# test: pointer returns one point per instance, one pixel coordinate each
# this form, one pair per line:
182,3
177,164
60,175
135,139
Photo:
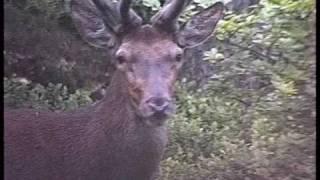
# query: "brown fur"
123,136
104,141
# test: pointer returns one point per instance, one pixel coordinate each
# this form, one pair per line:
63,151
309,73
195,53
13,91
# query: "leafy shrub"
19,92
211,139
252,120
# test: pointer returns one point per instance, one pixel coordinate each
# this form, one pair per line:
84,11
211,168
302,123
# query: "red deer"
123,136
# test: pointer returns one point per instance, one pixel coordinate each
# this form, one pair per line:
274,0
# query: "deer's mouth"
156,118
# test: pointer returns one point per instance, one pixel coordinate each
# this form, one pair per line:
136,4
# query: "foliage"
247,122
19,92
42,51
52,9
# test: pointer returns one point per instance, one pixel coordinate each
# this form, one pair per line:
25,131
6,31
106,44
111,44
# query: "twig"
250,49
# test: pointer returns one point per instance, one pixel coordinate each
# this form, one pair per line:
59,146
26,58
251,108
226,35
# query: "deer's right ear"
91,25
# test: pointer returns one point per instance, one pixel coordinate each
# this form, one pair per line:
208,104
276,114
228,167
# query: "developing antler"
166,18
128,17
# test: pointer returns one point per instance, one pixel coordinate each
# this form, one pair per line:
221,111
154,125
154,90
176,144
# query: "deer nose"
158,104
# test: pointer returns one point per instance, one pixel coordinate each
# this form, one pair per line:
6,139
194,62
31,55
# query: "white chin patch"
154,119
155,122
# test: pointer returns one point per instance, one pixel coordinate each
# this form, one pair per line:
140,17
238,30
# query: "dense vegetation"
251,117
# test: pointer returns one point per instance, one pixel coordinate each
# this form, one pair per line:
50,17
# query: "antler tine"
169,14
128,16
124,9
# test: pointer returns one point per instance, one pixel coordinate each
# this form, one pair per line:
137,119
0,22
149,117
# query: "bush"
19,92
252,120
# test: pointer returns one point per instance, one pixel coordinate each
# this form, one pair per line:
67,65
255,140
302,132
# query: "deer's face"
150,61
149,56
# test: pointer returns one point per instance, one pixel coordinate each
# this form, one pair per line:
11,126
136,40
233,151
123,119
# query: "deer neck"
116,107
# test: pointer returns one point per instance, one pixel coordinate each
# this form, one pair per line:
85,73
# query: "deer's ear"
200,26
90,24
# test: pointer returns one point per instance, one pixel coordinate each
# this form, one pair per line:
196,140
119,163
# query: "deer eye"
121,59
179,57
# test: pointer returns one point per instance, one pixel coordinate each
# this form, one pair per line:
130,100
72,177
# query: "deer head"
147,55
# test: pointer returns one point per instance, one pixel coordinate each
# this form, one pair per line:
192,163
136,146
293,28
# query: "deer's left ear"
200,26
